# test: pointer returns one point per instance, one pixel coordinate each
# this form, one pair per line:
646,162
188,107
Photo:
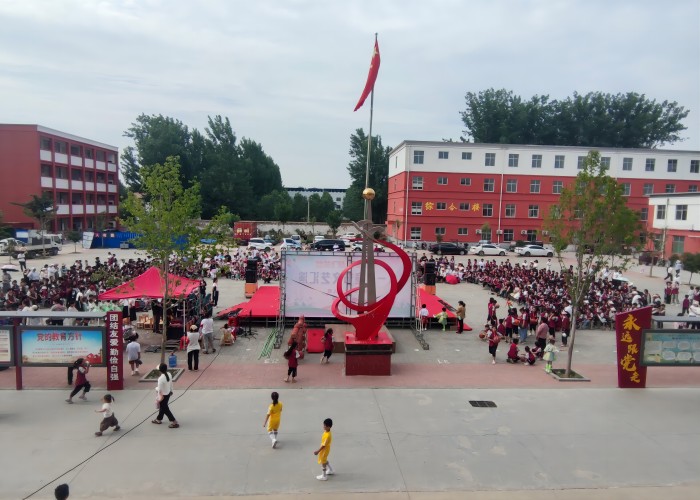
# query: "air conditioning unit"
545,233
478,231
523,232
499,231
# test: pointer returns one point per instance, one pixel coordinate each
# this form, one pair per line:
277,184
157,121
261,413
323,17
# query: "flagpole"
368,204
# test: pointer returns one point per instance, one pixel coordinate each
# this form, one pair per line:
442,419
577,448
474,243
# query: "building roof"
58,133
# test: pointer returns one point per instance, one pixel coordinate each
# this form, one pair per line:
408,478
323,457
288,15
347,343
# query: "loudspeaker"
251,276
430,267
252,264
429,279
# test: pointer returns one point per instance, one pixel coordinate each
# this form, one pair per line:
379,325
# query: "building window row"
416,233
61,147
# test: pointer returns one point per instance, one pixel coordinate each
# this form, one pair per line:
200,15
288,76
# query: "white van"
319,238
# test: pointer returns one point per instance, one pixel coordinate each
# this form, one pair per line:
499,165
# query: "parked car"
448,248
487,249
357,247
270,240
259,243
327,245
319,238
534,251
647,257
348,236
290,244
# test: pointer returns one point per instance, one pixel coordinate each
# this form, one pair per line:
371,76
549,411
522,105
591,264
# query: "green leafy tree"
691,263
378,173
131,170
334,219
165,224
283,212
4,229
353,203
75,237
300,207
592,214
42,209
628,120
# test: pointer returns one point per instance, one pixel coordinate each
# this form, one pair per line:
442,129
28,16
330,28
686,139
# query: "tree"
691,263
333,219
76,237
593,215
596,119
42,209
353,203
378,174
165,224
131,170
4,229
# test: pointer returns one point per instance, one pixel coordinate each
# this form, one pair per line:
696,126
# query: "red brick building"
454,189
80,174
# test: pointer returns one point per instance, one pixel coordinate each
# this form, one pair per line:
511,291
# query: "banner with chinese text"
62,345
628,330
6,346
115,350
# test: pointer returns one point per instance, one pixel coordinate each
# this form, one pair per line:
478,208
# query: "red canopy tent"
152,284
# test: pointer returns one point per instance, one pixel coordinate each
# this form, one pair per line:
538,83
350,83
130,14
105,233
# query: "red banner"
628,330
115,351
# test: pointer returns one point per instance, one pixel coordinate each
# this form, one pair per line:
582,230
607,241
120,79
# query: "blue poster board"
671,348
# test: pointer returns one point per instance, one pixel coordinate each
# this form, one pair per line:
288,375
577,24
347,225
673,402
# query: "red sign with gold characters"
115,349
628,329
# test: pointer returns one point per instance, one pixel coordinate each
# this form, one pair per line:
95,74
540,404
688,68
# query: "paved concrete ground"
412,435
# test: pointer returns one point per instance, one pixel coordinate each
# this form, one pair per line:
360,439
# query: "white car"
357,247
259,244
318,237
290,244
534,251
486,249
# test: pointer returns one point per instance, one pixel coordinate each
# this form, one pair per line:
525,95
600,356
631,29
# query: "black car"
327,245
448,249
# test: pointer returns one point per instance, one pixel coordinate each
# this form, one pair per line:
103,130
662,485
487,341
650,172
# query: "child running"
272,419
108,418
292,356
325,450
327,346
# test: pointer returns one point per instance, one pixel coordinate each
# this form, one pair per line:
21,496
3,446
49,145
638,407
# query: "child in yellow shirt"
325,450
272,419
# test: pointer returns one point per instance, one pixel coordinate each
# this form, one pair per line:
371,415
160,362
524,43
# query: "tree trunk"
164,333
570,343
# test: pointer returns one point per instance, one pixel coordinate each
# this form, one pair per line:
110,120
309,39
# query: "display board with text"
671,347
62,345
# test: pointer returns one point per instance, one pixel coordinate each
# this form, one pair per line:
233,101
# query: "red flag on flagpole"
371,77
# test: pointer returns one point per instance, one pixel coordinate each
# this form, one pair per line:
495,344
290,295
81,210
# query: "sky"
288,73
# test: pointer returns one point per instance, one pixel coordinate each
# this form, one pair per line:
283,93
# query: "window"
61,173
110,179
693,188
670,188
45,144
605,162
418,157
626,188
416,208
488,185
507,235
513,160
75,150
627,164
661,212
464,206
534,186
487,210
417,183
465,181
415,233
63,198
559,161
533,211
442,181
531,235
466,155
536,161
77,199
678,245
89,154
512,186
557,187
580,162
443,155
510,210
89,176
76,175
681,212
439,231
441,205
46,170
648,189
644,214
650,165
462,231
672,165
694,166
490,160
61,147
100,155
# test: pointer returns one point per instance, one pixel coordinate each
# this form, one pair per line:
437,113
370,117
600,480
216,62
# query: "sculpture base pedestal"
368,357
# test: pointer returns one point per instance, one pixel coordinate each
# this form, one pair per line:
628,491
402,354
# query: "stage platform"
435,305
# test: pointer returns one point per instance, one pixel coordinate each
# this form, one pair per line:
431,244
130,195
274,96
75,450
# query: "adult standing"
207,328
157,309
164,391
193,337
460,313
215,292
22,259
81,381
542,333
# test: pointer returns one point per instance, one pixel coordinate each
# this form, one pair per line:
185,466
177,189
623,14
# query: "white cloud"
288,73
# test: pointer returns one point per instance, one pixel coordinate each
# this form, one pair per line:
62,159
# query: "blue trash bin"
172,361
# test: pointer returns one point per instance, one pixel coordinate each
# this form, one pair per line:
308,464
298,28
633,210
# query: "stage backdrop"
310,283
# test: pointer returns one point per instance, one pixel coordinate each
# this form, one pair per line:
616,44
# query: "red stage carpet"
435,305
265,303
314,339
